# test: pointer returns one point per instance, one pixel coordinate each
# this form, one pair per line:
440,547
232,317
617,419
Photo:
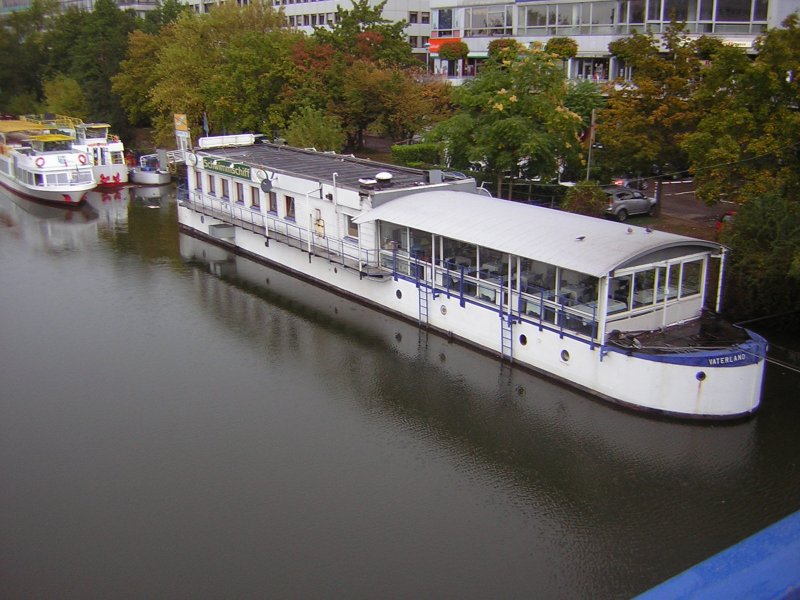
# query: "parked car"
624,201
635,183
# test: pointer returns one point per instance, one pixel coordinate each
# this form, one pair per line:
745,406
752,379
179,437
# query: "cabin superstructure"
614,309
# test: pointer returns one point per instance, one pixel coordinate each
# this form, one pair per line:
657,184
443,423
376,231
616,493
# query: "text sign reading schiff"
227,168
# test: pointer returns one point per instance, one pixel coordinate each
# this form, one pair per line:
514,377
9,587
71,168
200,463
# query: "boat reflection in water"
153,196
111,206
49,226
501,411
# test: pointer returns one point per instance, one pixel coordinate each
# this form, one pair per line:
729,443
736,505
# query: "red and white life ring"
40,161
82,159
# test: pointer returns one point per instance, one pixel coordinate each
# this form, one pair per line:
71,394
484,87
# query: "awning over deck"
584,244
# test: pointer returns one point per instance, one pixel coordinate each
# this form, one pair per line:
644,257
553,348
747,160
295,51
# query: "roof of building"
319,166
586,244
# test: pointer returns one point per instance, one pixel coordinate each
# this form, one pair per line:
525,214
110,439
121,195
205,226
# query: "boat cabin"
51,142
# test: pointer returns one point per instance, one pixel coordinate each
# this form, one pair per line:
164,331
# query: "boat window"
456,254
576,288
289,203
493,264
690,278
644,283
211,189
536,276
352,228
240,192
392,236
619,294
255,198
420,244
225,190
273,203
198,181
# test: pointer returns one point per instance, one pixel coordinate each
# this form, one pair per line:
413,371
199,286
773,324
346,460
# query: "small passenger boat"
104,150
621,312
149,172
41,165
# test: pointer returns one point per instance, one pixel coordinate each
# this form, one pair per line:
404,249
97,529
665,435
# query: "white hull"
111,175
142,177
66,195
697,388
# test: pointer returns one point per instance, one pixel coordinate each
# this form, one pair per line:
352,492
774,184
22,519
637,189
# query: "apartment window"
273,203
255,198
413,41
211,188
413,17
425,18
239,192
289,204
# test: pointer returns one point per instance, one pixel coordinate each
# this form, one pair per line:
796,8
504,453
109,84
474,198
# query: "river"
179,422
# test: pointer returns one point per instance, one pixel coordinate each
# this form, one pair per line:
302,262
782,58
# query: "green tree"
63,95
563,47
23,55
311,127
764,267
361,33
136,76
453,51
586,198
512,118
644,120
748,138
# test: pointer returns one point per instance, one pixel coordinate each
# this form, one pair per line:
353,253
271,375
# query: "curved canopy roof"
13,126
585,244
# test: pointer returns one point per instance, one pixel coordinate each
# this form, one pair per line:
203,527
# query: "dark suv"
624,201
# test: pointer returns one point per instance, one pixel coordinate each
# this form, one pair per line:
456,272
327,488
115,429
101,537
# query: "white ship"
612,309
41,165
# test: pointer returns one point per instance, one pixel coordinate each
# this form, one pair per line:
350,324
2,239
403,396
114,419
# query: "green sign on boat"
227,168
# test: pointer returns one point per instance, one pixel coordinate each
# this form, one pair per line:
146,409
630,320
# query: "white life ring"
40,161
82,159
191,158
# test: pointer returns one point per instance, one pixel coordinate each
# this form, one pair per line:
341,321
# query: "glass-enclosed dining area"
541,292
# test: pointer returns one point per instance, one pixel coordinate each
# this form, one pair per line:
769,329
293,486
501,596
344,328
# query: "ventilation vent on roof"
367,183
384,178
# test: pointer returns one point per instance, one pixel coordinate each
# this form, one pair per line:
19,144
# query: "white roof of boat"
589,245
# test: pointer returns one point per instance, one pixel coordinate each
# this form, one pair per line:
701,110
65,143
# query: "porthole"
701,376
523,339
442,357
399,294
335,270
564,355
443,309
267,280
202,219
398,336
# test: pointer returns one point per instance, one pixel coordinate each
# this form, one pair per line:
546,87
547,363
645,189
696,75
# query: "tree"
764,266
23,55
645,119
586,198
310,127
453,51
137,76
63,95
563,47
512,118
361,33
747,142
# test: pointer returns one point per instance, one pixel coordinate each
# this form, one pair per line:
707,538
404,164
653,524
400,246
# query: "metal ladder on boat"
423,303
506,336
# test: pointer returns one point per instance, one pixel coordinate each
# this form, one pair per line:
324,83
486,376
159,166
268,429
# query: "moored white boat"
149,176
43,166
615,310
104,150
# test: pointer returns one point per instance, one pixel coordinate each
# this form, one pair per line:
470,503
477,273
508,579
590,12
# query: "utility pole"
591,145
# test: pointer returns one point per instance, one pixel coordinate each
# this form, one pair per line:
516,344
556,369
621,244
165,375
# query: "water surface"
179,422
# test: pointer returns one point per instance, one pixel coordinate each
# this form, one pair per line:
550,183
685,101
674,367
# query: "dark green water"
176,422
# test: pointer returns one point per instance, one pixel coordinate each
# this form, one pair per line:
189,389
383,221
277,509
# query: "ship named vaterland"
613,309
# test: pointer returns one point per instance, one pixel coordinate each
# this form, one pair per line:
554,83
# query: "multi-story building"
593,24
140,7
